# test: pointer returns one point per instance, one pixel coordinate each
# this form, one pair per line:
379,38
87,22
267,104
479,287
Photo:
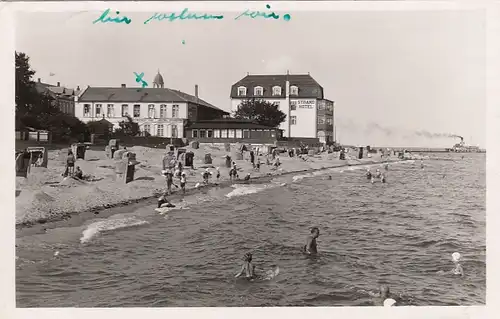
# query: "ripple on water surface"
401,233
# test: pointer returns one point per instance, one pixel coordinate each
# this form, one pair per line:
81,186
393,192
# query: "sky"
392,74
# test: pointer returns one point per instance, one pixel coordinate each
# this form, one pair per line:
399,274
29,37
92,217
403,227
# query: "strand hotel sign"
304,104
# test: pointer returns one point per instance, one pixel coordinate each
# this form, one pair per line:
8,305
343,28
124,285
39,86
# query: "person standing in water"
183,182
458,270
368,174
422,164
311,246
248,269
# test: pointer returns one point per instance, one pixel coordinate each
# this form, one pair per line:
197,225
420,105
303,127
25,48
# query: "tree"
128,127
260,111
26,95
38,110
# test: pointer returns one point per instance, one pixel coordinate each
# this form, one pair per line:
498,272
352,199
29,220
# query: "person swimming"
458,270
368,174
384,297
386,166
378,173
248,269
382,178
311,246
163,200
247,177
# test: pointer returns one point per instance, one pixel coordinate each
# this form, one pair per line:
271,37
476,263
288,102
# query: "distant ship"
462,148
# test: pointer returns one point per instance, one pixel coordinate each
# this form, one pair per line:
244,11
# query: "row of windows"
321,120
325,120
110,111
229,133
161,130
259,90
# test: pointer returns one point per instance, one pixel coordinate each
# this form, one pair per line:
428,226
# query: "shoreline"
106,210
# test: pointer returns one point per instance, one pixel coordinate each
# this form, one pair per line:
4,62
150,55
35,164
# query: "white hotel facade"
159,111
299,96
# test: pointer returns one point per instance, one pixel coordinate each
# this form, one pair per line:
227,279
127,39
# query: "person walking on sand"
170,180
183,182
218,174
70,163
206,175
252,158
257,166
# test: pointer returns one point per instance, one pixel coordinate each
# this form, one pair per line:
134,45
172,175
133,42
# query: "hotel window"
246,134
151,111
98,109
329,121
239,133
86,110
294,90
273,133
159,130
293,120
230,134
203,134
163,111
223,133
242,91
174,131
216,133
321,105
258,91
147,128
137,110
111,110
194,133
210,133
276,90
329,106
293,105
175,111
124,110
321,120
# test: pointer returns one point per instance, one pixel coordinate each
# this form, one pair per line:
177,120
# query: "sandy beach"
46,196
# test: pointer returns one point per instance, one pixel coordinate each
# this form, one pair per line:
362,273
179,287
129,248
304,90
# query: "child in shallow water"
248,269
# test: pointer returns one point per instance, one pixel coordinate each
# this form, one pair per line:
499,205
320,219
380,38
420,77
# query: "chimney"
196,90
58,84
124,86
39,80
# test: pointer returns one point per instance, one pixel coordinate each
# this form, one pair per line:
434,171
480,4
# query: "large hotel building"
299,96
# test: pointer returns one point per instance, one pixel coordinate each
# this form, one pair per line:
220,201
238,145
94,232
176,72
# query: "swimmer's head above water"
456,257
315,232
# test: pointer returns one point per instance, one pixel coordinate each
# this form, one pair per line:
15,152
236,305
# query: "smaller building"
64,98
231,130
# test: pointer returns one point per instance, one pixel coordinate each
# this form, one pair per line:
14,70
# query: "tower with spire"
158,81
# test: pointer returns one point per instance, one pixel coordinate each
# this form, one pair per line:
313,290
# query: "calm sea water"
401,233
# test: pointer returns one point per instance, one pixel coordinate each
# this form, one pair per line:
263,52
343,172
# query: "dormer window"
276,90
258,91
294,90
242,91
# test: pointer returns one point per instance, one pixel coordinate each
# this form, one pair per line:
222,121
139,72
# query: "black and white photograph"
257,154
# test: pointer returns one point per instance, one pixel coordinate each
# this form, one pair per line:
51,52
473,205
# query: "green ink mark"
104,18
138,79
184,15
286,17
255,14
183,42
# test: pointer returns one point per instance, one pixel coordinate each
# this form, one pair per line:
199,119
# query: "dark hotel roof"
308,87
228,123
145,95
